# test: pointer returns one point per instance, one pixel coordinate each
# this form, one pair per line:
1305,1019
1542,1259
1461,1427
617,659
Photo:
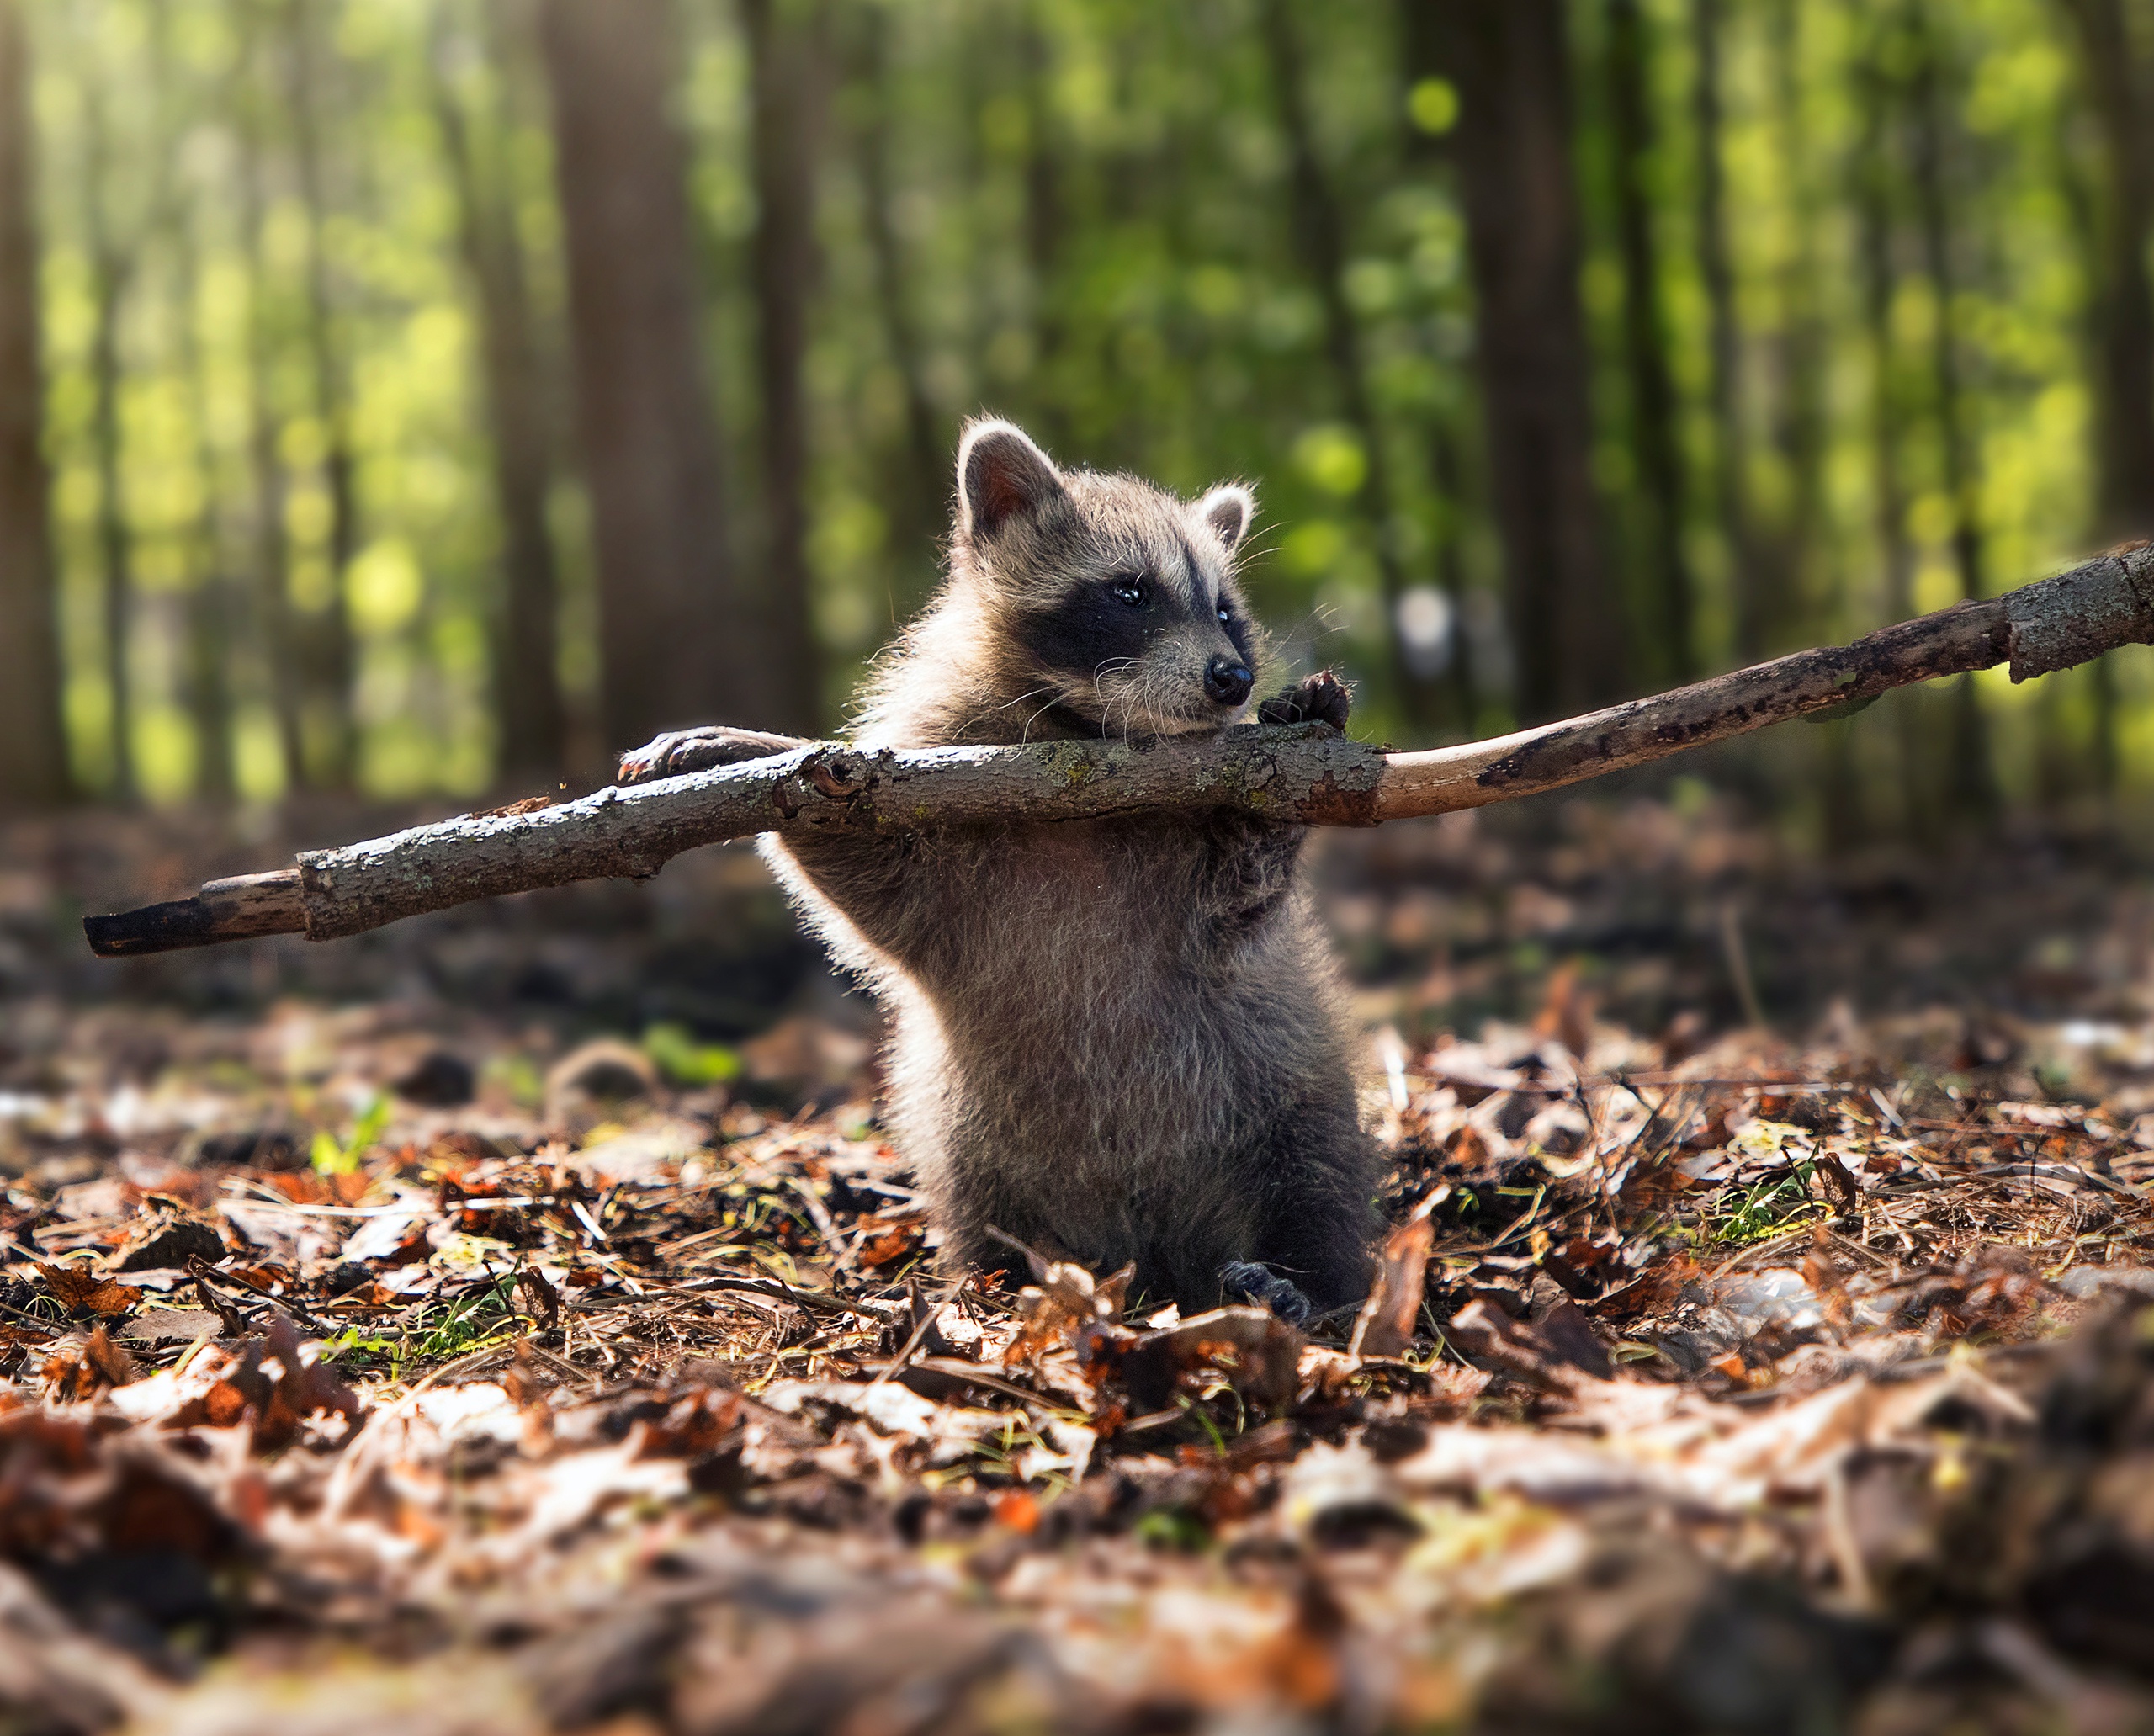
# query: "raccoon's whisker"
1051,687
1055,697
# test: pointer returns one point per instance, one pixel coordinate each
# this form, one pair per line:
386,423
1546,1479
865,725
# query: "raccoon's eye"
1226,614
1129,588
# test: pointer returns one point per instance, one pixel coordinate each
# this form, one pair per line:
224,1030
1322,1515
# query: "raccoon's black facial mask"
1139,644
1118,599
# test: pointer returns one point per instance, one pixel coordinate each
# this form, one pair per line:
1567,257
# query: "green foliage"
483,1316
1766,1209
685,1063
329,1158
1079,213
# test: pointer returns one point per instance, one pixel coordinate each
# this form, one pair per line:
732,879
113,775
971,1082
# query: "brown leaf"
1065,1300
544,1299
110,1363
1386,1325
78,1287
1551,1351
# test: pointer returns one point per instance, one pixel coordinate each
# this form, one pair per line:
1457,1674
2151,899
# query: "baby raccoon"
1113,1040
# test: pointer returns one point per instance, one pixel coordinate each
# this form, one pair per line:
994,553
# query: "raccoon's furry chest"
1092,1002
1102,964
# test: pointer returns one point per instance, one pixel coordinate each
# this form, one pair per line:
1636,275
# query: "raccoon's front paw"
1321,698
698,750
1245,1280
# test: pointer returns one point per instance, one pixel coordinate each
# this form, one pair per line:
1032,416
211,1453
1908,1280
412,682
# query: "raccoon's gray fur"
1114,1040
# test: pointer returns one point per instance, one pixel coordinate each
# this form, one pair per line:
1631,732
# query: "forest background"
420,397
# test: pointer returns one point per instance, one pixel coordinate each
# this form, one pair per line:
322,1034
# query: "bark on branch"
1307,774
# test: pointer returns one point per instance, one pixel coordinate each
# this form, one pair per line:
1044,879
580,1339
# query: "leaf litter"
394,1366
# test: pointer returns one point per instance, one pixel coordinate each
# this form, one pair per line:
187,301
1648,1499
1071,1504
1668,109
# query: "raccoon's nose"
1226,681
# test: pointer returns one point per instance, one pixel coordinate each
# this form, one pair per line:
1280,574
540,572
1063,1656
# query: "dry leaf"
81,1288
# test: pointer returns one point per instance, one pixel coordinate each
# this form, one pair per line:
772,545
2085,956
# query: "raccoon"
1116,1041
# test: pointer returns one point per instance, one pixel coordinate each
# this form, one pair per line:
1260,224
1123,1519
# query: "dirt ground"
516,1320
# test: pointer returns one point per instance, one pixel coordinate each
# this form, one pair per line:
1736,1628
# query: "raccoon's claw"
698,750
1321,698
1245,1280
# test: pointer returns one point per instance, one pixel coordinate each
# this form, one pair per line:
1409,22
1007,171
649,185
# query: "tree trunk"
786,74
920,486
324,639
33,743
672,647
1972,783
1653,406
211,628
1321,240
1510,61
1799,422
109,274
1880,98
1717,267
2124,377
272,549
526,649
1047,219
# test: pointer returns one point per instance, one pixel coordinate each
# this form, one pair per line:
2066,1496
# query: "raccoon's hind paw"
1245,1280
1321,698
698,750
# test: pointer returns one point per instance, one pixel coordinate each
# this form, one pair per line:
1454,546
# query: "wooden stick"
1307,774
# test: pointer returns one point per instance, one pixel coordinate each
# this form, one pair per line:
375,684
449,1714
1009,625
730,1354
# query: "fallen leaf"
81,1288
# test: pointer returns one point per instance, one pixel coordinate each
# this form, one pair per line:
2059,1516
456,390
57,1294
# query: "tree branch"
1306,774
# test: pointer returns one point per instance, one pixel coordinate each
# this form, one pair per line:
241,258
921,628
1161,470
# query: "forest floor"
517,1321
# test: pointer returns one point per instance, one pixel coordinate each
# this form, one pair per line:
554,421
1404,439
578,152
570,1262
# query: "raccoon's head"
1115,603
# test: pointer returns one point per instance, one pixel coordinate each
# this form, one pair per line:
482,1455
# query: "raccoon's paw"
1321,698
1245,1280
698,750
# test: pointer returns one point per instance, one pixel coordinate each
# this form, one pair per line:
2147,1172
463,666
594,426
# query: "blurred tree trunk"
1717,267
1792,614
1047,217
526,649
33,742
922,486
1971,781
1653,406
1880,100
1320,236
2124,379
2124,376
1509,59
109,274
786,72
325,640
272,547
210,626
674,644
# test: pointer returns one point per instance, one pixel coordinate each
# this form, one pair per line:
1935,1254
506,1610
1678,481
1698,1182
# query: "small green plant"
331,1159
518,1075
1174,1528
485,1315
1769,1208
685,1063
478,1317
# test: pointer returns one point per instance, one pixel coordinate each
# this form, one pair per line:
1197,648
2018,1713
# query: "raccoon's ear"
1228,509
1001,474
